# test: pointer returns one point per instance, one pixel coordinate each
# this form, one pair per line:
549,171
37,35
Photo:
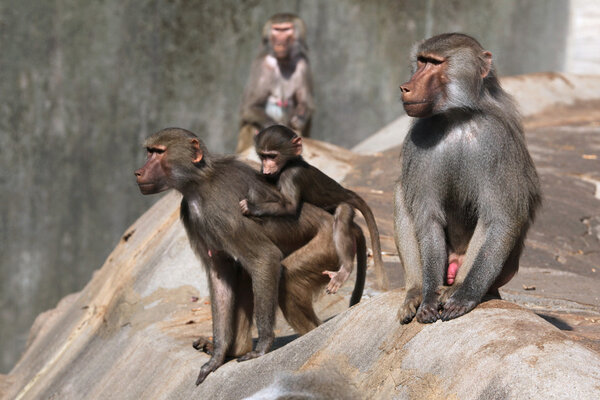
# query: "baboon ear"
297,143
197,150
487,66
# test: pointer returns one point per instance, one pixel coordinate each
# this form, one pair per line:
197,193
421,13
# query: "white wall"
583,43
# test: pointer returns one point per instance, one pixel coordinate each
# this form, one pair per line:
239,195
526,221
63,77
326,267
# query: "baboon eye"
155,150
429,60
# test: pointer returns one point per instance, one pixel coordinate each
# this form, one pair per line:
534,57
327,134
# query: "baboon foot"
409,308
454,308
428,312
204,344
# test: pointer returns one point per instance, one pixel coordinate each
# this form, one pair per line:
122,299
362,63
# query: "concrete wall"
82,83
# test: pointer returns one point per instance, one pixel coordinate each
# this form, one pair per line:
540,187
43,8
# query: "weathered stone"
497,351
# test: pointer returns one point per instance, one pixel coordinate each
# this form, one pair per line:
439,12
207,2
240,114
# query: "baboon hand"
244,207
337,279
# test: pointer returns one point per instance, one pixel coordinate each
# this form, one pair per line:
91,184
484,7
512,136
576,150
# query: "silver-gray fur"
468,186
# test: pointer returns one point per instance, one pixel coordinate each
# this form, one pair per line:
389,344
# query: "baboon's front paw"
206,369
454,308
428,313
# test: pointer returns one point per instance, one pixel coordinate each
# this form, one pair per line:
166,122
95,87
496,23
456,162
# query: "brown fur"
300,183
243,256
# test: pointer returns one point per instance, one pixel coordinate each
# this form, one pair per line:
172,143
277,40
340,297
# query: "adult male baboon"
468,190
279,89
243,256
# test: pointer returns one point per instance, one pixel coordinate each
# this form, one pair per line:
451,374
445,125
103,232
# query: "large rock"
498,351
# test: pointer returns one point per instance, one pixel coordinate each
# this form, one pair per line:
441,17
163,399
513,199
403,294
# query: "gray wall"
82,83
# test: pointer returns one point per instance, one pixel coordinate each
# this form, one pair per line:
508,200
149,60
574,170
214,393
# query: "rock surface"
128,333
498,351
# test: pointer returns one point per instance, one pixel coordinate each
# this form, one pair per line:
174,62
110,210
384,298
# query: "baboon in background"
280,152
243,256
279,89
468,190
